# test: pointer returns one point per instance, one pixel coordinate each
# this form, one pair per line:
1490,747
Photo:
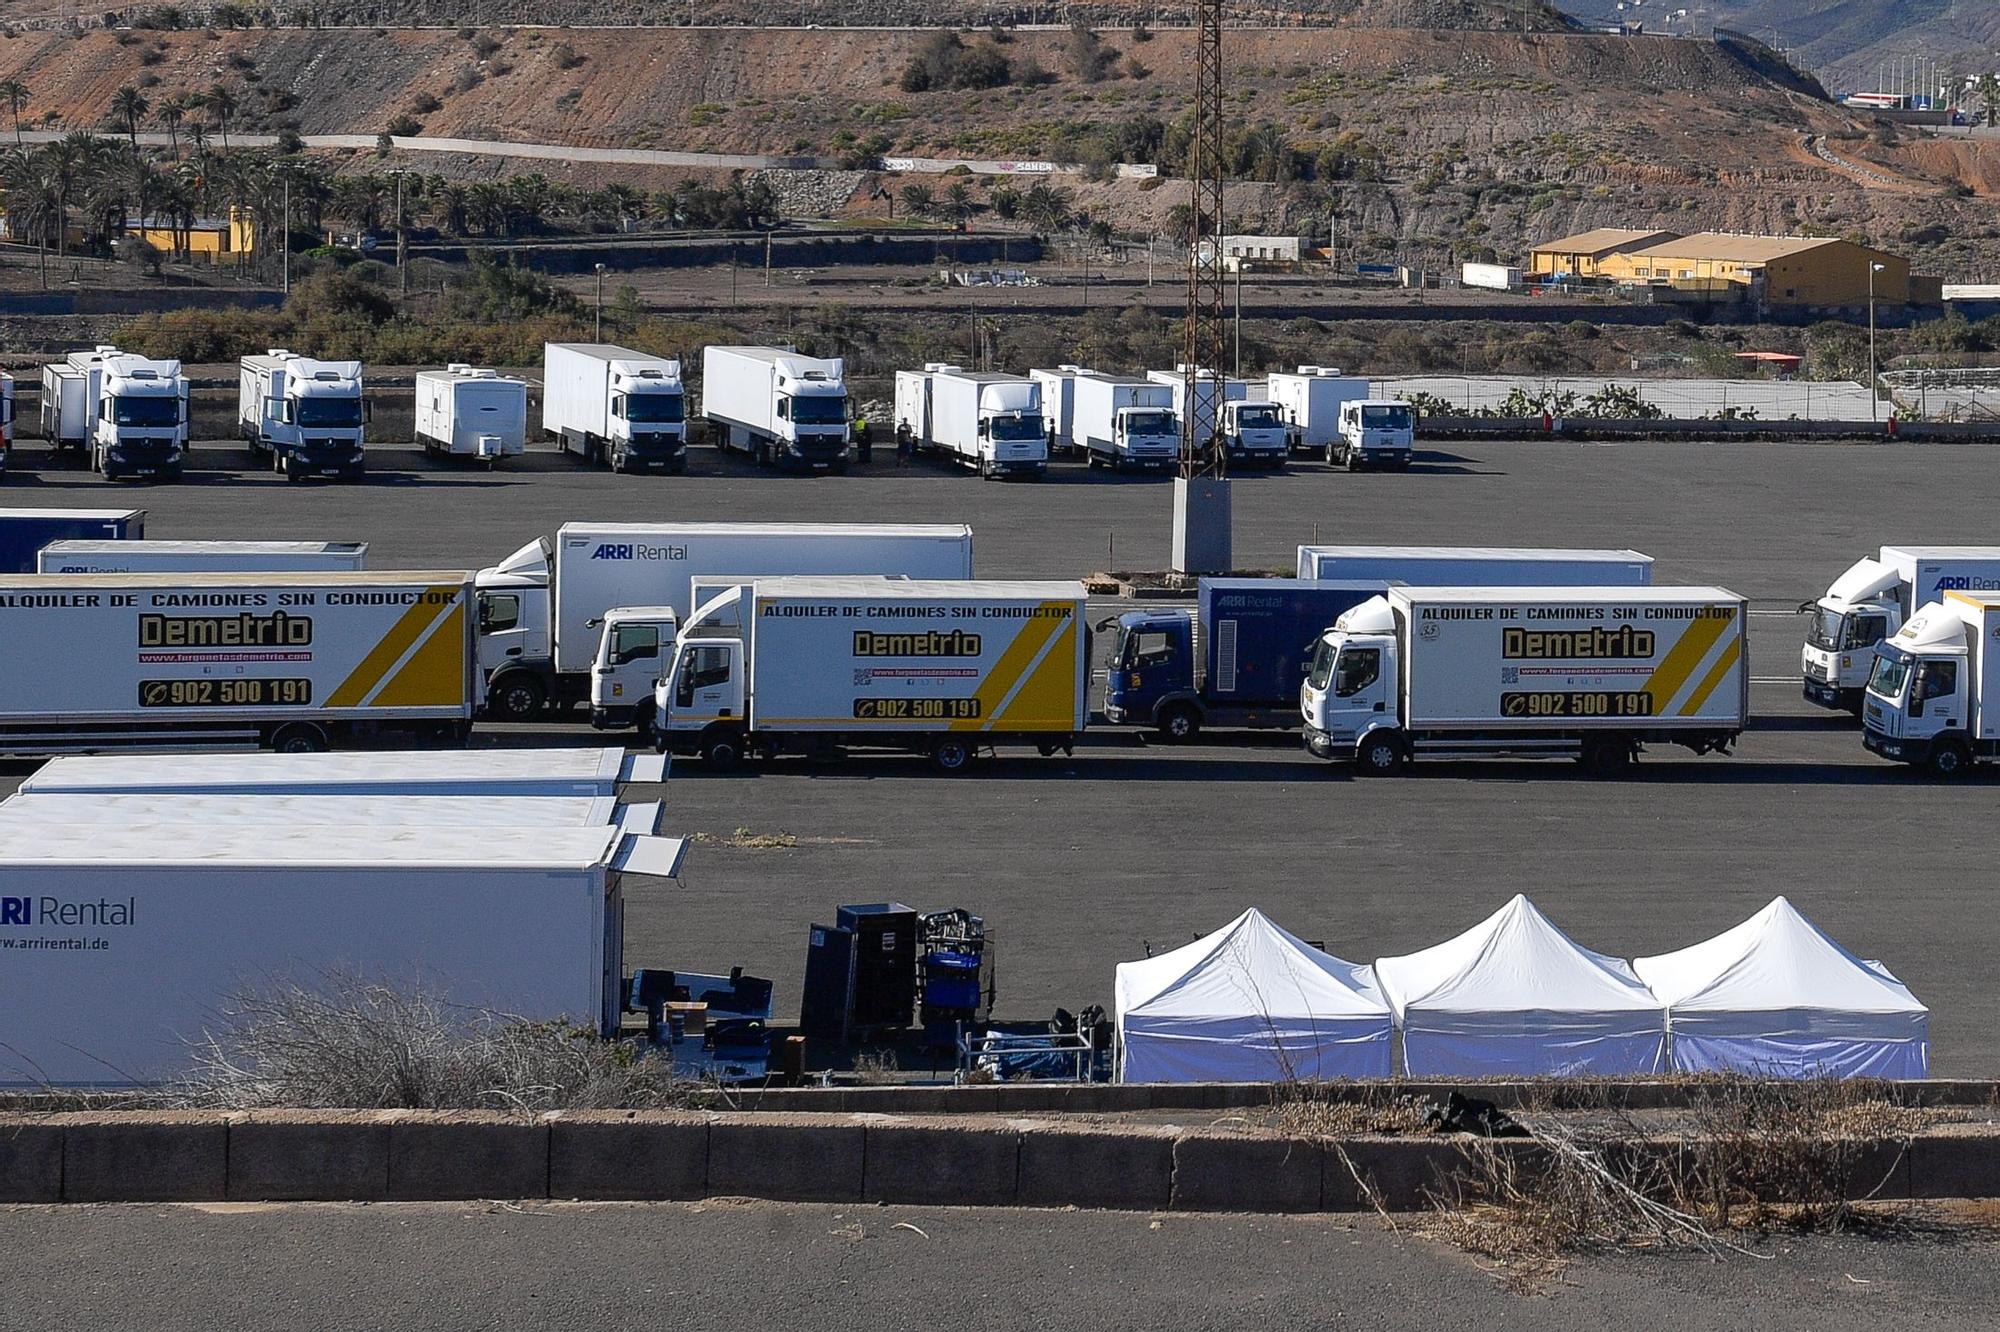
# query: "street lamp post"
285,239
600,303
1874,402
402,238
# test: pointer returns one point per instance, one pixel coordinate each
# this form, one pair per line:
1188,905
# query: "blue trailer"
1234,660
23,532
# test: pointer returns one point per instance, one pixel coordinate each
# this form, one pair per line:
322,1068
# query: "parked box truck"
463,411
1934,693
1059,406
120,946
399,773
824,664
1871,602
782,408
307,416
541,610
612,405
23,532
1477,566
128,413
290,661
991,423
1310,402
1232,660
1253,428
1375,432
99,557
1591,673
1127,424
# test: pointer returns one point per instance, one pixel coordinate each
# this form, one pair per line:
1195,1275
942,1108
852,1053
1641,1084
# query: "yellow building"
1779,270
212,238
1581,255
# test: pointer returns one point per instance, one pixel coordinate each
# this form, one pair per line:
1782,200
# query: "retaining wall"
1577,427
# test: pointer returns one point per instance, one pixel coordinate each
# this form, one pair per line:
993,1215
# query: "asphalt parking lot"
1079,863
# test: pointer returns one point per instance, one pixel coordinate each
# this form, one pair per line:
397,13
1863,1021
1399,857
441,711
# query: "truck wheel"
518,698
1606,758
1179,723
722,749
1354,460
299,738
1949,760
949,753
1380,755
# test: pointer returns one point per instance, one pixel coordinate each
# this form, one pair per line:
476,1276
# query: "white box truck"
434,811
1376,432
1872,601
98,557
1253,428
611,405
121,945
398,773
989,422
1059,406
1127,424
307,416
130,413
782,408
819,665
1476,566
1934,694
1310,401
294,662
541,610
463,411
1590,673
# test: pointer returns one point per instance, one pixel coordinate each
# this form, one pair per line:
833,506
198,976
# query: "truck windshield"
1259,418
1824,629
819,411
1150,423
1324,654
1386,418
654,409
1891,673
330,413
145,411
1016,429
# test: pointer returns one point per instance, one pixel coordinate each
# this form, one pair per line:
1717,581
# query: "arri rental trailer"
542,610
1477,566
1934,696
307,415
23,532
77,557
1872,601
466,412
290,661
1591,673
991,423
826,664
782,408
120,944
614,406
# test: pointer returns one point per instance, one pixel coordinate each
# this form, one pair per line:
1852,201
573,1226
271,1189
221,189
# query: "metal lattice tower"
1205,339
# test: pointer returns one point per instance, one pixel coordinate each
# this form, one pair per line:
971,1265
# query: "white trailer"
782,408
398,774
69,397
129,413
308,416
1590,673
1476,566
1310,401
1934,694
1059,406
1494,277
1126,423
1871,602
541,610
290,661
103,557
989,422
124,944
825,664
616,406
1253,428
118,809
466,412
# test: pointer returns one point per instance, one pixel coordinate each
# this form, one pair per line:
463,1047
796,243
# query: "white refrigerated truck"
1590,673
782,408
294,662
542,610
1375,432
1476,566
1126,424
128,413
1871,602
991,423
307,415
1934,694
825,664
464,411
1059,406
613,405
1253,427
77,557
1310,401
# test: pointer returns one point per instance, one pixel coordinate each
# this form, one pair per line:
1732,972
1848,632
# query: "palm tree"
450,207
32,202
531,194
958,203
1047,208
1989,98
16,94
171,113
129,105
224,103
66,159
917,200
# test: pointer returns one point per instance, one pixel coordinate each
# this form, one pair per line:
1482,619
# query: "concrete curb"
865,1157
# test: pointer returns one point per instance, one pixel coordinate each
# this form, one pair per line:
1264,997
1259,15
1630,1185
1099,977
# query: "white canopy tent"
1249,1003
1515,996
1776,997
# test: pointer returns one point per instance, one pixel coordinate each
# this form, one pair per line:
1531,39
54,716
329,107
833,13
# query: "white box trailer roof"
417,772
201,556
1483,566
127,942
200,809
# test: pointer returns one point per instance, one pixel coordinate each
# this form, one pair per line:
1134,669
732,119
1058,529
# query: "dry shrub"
1316,1111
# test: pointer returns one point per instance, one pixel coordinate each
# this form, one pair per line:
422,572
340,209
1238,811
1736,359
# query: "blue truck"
1233,660
23,532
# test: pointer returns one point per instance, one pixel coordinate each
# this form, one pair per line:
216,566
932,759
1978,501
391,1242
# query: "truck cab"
1375,432
1843,627
1918,707
1013,441
1255,432
635,640
1146,436
309,415
516,644
701,704
1349,697
141,421
1150,677
648,417
812,419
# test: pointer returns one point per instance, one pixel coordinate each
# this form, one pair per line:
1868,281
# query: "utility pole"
767,258
402,240
599,336
1874,401
286,239
1202,520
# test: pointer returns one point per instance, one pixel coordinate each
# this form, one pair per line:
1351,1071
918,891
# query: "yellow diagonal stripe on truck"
1673,672
1006,672
1048,696
385,654
1723,664
434,675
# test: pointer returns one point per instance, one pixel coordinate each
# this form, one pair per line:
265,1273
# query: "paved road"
1081,863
